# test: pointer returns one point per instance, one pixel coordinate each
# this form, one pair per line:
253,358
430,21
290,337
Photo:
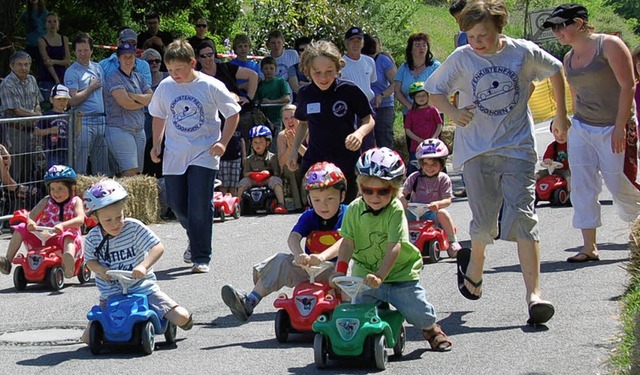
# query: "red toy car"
43,264
552,188
225,204
425,235
309,300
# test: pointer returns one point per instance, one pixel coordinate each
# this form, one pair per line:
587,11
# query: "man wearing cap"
127,94
110,64
153,37
55,131
201,33
20,97
85,79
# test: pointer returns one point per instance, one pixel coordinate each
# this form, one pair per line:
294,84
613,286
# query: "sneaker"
238,303
280,210
188,325
453,249
462,193
5,265
200,268
68,265
187,255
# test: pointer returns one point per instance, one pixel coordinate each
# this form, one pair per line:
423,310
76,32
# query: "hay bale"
142,203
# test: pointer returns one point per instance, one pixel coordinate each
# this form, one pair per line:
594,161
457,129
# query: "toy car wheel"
236,211
433,250
85,273
320,352
56,278
282,325
398,349
560,197
222,214
147,337
19,278
380,352
96,337
171,333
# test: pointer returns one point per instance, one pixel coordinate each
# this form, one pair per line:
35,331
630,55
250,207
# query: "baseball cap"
127,35
564,13
354,32
126,48
60,91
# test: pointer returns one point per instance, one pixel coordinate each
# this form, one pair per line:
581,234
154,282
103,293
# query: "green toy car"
358,330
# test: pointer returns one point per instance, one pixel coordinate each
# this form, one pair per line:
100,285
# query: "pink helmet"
432,148
324,174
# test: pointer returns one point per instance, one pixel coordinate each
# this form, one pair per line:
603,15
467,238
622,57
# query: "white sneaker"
200,268
187,255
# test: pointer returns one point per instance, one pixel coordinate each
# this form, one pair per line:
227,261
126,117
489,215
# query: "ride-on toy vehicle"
309,300
43,264
127,319
225,204
358,330
426,235
552,188
259,198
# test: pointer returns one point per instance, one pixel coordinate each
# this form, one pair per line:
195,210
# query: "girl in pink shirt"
422,122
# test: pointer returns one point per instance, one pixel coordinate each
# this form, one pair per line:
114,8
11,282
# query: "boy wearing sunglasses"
375,234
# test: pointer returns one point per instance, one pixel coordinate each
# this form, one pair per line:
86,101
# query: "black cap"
564,13
353,32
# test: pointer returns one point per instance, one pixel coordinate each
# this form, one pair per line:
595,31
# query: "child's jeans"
408,297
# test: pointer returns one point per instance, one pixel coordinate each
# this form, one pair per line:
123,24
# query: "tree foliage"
629,10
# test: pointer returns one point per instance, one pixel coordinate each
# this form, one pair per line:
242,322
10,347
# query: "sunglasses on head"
154,61
563,25
201,25
206,55
381,192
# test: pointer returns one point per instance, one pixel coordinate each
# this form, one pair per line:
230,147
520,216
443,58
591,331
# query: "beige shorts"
279,271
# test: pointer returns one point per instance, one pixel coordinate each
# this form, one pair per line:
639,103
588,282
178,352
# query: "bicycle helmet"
431,148
102,194
382,162
260,131
416,87
324,174
60,173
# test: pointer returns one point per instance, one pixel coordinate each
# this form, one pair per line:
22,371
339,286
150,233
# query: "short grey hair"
151,53
19,55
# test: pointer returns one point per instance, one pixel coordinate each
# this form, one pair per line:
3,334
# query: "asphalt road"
39,328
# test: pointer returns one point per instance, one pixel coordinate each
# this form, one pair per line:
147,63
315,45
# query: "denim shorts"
127,147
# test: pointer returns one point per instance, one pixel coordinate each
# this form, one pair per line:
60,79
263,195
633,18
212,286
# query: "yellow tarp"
542,104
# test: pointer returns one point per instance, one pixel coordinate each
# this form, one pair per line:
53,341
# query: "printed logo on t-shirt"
282,71
340,108
187,113
496,90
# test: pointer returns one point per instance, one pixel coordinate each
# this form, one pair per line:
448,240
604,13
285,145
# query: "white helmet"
382,162
431,148
102,194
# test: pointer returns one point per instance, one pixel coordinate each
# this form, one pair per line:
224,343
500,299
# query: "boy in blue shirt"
55,131
319,226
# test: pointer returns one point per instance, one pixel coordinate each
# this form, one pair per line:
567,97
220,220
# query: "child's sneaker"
68,265
200,268
237,301
187,255
280,210
5,266
453,249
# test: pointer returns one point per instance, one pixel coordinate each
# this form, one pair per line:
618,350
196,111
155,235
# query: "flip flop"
582,257
462,260
540,312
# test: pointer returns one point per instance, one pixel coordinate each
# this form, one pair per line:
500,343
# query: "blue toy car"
127,319
358,330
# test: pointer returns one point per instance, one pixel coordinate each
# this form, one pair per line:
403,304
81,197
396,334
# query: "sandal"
5,266
189,324
437,339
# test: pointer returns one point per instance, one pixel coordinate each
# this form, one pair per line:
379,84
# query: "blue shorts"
127,147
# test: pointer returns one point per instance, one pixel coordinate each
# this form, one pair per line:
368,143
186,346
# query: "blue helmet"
59,173
260,131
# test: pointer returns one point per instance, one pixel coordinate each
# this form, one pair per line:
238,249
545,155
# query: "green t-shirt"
274,89
371,235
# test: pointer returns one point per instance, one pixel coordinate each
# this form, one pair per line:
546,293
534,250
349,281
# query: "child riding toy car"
127,319
553,187
358,330
225,204
43,264
259,198
309,300
426,235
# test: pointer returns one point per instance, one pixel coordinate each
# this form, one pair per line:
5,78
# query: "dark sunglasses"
206,55
381,192
201,25
563,25
154,61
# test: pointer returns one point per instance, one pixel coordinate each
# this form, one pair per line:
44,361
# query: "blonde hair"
288,107
394,184
479,11
636,60
179,50
317,49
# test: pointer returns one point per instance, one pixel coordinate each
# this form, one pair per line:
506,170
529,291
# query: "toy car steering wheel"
418,209
125,278
551,167
351,285
314,271
44,233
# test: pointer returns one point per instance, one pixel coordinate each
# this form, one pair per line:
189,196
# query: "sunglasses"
381,192
562,26
154,61
201,25
206,55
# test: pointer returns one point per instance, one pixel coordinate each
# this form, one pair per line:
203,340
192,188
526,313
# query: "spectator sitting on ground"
111,64
285,148
202,26
274,91
153,37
